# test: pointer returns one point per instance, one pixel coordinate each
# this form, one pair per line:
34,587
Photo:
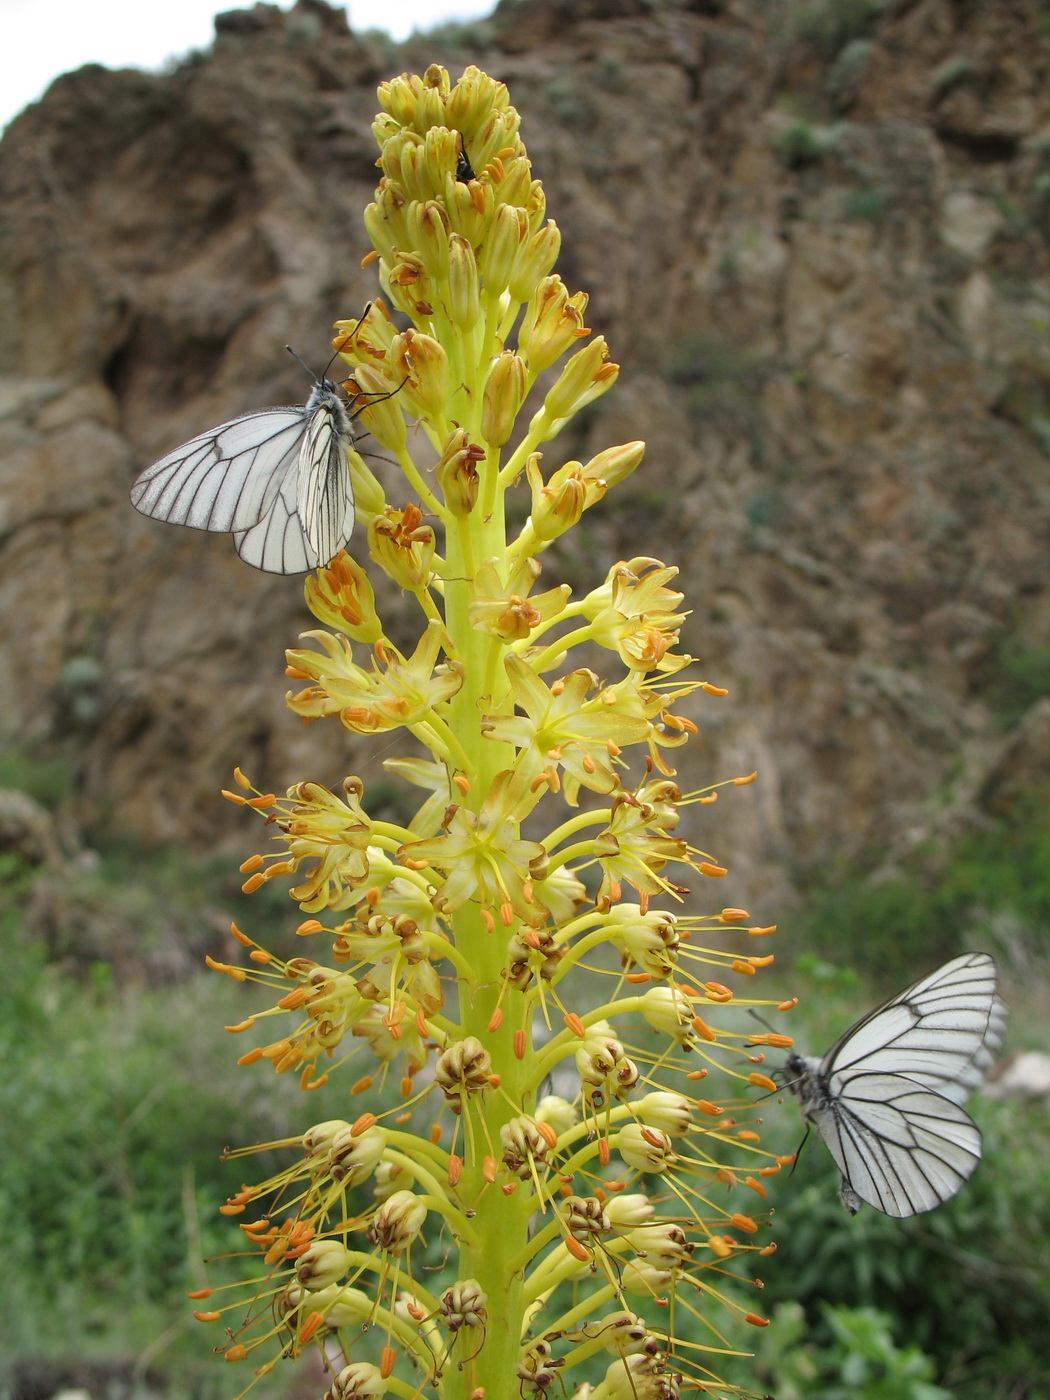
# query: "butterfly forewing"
225,479
277,480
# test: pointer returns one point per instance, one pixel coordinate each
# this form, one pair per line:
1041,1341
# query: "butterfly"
887,1097
278,480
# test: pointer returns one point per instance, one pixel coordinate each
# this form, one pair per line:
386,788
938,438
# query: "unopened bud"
553,321
421,360
535,261
555,507
463,1305
504,394
628,1210
429,231
463,292
374,402
351,1159
669,1010
498,254
587,375
558,1112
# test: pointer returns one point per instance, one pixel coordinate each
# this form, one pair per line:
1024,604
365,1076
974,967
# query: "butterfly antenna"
761,1020
303,363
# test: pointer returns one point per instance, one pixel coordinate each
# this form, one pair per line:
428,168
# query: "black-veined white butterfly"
278,480
887,1097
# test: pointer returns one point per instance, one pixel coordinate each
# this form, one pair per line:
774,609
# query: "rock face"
816,238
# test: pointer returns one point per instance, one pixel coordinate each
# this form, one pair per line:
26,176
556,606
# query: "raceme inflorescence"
530,1190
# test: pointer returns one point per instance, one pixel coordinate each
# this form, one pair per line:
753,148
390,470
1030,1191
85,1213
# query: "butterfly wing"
899,1146
325,493
939,1032
226,479
887,1097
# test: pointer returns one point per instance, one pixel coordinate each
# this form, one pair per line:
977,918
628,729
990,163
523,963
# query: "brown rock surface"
818,247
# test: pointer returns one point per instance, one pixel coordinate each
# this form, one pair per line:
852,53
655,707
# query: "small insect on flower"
887,1097
278,480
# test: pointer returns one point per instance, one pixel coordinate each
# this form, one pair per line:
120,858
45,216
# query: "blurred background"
817,236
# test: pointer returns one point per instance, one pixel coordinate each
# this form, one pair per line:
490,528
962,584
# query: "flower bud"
499,252
668,1112
614,465
503,396
358,1381
398,1221
628,1210
341,596
369,497
557,1112
644,1279
535,261
641,1377
375,403
669,1010
428,232
324,1263
645,1149
588,374
555,508
464,305
421,361
385,221
457,472
622,1333
387,1176
553,321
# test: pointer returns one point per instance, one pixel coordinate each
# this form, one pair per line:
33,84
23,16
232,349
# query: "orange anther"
242,1025
488,1169
787,1005
455,1169
235,1353
360,1085
748,1135
234,797
241,938
362,1124
716,872
638,977
519,1045
314,1321
770,1171
577,1250
702,1029
387,1357
706,1106
744,1222
746,969
251,1056
603,1151
762,1081
733,916
575,1024
206,1316
761,932
548,1134
755,1185
495,1020
309,926
743,782
253,882
198,1293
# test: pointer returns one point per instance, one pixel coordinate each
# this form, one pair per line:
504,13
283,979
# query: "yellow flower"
335,834
395,692
562,728
482,856
635,615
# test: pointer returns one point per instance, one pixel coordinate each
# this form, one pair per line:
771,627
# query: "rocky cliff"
816,236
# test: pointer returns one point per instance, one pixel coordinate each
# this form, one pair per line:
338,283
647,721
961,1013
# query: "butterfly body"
278,480
887,1097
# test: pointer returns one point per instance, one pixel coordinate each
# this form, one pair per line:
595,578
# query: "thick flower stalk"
516,972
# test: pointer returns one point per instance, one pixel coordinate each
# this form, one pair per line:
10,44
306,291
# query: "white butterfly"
277,480
887,1096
